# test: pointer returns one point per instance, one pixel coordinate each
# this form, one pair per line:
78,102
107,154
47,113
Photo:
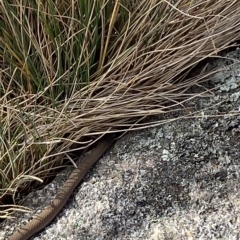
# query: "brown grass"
141,72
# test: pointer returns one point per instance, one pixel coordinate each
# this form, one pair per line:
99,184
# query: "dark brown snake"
49,213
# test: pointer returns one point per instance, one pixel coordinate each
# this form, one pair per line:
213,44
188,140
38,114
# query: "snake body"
49,213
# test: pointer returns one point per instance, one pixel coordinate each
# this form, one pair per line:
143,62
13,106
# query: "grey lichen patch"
229,77
171,186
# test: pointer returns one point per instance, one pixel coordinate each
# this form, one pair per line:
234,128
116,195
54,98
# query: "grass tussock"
74,70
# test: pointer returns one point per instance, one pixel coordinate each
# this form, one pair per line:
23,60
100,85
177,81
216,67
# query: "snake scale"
49,213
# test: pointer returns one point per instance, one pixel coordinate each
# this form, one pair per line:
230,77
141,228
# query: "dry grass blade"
75,71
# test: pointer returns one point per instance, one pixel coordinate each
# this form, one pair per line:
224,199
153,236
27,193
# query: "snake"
45,217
